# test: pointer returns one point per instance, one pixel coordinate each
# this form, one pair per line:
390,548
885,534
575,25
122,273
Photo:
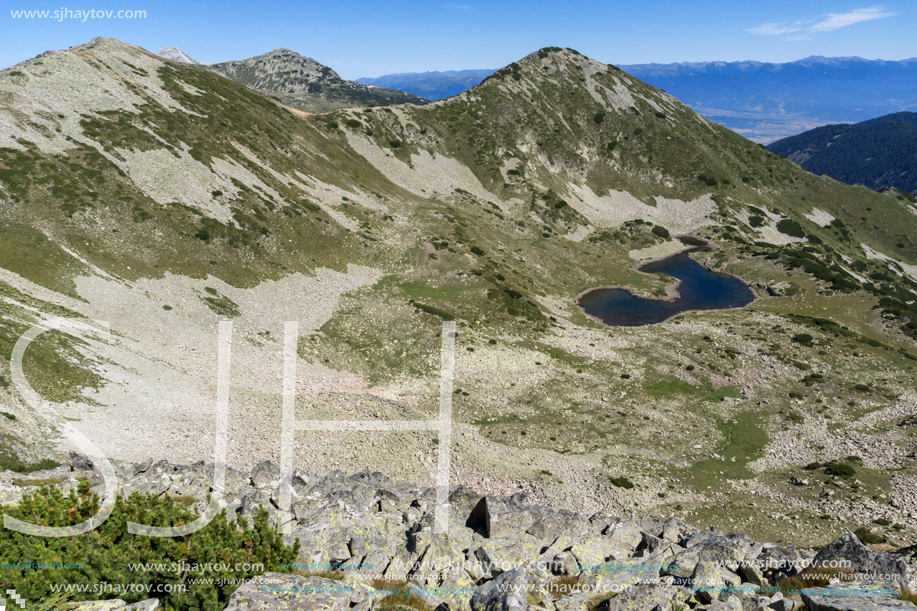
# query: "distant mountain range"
765,102
430,85
878,153
762,101
299,81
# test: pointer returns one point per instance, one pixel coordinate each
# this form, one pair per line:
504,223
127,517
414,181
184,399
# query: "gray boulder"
264,474
78,462
862,559
279,592
855,596
497,518
641,598
505,593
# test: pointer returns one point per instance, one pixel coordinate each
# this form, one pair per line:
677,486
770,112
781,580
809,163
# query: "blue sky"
360,38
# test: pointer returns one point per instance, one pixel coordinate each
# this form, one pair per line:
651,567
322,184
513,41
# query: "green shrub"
598,117
660,115
803,338
622,482
395,143
661,231
840,470
14,464
867,537
104,553
354,123
756,221
477,251
791,228
433,310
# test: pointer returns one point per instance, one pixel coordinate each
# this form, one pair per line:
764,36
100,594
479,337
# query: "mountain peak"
279,62
178,55
306,84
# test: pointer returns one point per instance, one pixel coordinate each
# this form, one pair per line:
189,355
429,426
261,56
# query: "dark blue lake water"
700,289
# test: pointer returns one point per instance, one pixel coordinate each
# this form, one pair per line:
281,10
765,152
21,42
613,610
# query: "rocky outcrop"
502,553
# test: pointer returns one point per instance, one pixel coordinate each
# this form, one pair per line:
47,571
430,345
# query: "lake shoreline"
673,292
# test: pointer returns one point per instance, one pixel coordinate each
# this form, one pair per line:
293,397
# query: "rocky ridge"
363,533
306,84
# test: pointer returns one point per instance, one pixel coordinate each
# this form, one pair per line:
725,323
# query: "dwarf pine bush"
107,554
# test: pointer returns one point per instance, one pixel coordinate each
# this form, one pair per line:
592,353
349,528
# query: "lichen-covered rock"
505,593
279,592
150,604
641,598
862,559
855,596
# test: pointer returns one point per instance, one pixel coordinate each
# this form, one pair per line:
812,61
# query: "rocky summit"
303,83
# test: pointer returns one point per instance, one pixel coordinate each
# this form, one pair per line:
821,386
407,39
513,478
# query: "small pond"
700,289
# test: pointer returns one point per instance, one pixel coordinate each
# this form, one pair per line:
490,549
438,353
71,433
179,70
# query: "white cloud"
775,29
836,21
803,30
